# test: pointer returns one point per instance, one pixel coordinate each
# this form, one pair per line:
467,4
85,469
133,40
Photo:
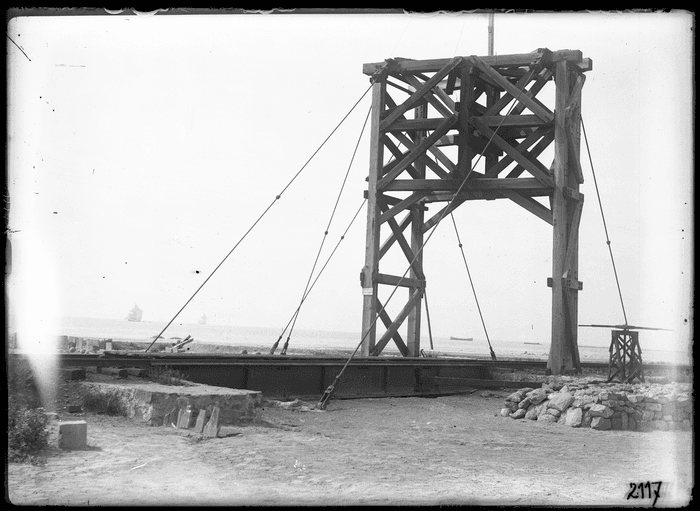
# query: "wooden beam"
534,153
522,146
526,121
420,92
446,109
423,159
529,204
535,106
370,269
404,204
392,238
398,321
416,152
572,243
387,323
513,60
394,280
452,185
533,167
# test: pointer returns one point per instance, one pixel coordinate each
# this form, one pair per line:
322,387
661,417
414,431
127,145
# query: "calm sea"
263,338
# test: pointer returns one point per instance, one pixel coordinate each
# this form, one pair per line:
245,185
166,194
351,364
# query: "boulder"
560,401
600,423
600,411
545,417
524,403
531,413
519,414
505,412
516,397
573,417
537,396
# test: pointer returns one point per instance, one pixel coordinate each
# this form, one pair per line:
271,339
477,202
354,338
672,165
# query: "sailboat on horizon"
135,314
202,320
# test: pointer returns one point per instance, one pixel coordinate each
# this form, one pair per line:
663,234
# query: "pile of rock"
604,406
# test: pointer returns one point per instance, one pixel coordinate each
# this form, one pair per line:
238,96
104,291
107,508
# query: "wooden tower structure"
444,132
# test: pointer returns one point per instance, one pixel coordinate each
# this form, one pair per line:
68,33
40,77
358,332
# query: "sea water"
264,337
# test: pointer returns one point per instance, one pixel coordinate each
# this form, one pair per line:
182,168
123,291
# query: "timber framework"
446,131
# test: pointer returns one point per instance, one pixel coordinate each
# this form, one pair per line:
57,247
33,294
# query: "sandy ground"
390,451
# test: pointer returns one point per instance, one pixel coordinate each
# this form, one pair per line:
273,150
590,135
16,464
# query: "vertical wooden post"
574,127
559,351
413,322
371,268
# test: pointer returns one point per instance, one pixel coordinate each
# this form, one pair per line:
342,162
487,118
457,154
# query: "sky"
142,148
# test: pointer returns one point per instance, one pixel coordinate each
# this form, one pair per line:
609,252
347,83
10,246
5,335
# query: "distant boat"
532,343
202,320
135,314
462,338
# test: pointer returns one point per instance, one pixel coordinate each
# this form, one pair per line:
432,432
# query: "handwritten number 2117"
644,491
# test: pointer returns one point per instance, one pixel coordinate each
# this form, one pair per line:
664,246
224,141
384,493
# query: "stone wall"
152,403
604,406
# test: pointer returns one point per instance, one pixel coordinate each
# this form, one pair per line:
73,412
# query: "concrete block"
212,427
73,373
186,419
201,421
72,435
113,371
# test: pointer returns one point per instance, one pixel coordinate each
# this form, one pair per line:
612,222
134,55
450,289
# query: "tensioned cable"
323,240
427,315
342,237
605,226
277,197
331,388
459,241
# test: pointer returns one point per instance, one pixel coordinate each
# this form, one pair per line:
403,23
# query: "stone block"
554,412
531,413
72,435
631,424
653,407
660,425
524,403
545,417
505,412
516,397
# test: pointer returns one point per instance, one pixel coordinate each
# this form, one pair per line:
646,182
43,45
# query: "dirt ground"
389,451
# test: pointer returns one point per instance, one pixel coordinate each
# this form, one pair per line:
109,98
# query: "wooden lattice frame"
626,363
403,182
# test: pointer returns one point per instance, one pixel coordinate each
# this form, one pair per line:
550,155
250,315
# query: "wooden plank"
533,167
394,280
417,151
529,204
536,107
420,92
398,156
465,153
398,321
527,121
523,183
416,124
